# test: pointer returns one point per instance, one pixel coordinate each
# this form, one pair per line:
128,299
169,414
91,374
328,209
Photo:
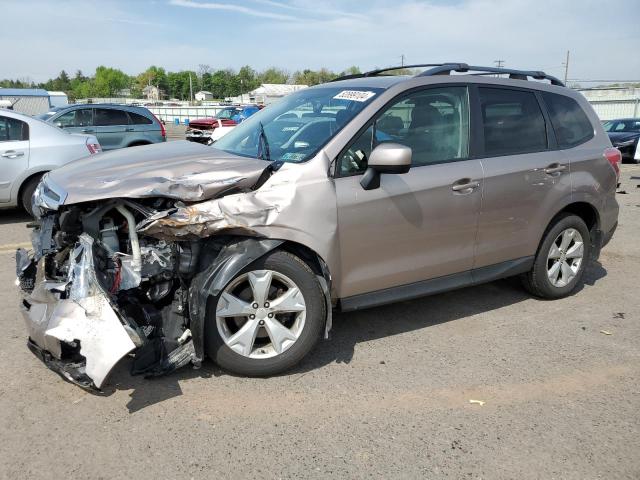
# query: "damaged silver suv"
356,193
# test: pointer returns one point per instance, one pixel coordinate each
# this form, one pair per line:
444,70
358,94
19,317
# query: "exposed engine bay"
91,257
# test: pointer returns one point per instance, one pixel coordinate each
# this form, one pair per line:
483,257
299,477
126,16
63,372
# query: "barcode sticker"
354,95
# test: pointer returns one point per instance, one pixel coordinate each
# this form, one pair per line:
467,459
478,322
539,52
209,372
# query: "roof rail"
373,73
446,69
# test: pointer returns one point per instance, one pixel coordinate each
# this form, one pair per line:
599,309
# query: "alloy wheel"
260,314
565,257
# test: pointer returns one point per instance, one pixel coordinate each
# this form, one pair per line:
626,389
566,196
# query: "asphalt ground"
389,396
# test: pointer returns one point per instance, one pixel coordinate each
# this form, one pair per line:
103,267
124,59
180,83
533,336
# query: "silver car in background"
115,126
28,149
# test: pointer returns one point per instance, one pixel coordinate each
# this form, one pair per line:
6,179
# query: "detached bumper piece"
72,326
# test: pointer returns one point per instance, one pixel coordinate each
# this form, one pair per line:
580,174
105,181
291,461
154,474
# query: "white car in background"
28,149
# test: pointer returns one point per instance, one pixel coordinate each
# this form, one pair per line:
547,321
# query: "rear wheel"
27,192
267,318
561,259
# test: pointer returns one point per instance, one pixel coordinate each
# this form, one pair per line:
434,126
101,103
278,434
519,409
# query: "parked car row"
367,190
210,129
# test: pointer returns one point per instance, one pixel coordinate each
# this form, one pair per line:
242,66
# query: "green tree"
274,75
108,82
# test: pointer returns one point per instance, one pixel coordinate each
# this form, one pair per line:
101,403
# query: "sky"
39,38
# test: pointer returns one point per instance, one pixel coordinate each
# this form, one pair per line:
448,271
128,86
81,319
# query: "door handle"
12,154
129,129
88,130
555,168
466,185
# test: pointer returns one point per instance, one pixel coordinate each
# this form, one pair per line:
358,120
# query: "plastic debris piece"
605,332
477,402
618,315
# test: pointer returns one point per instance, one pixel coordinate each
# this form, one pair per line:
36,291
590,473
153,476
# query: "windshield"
227,113
622,126
298,126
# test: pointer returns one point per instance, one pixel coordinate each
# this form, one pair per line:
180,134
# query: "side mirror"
59,125
386,158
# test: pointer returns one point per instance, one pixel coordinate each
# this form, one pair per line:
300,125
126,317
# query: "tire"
539,281
266,357
26,192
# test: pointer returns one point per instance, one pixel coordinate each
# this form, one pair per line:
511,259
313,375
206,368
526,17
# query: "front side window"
75,118
433,122
110,116
227,113
570,123
512,122
298,126
13,130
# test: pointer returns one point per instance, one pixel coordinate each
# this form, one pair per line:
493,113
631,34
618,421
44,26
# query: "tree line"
111,82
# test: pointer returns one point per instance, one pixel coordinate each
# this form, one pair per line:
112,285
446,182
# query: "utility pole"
190,88
402,60
499,64
566,68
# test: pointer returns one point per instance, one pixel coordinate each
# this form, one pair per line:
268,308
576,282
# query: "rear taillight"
163,131
94,148
615,157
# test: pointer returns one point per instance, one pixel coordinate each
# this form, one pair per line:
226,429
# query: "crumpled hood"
182,170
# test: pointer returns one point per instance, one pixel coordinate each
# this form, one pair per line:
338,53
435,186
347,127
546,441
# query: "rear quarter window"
137,119
13,130
570,123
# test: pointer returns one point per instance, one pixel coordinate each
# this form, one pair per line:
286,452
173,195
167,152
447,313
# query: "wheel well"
585,211
310,257
24,184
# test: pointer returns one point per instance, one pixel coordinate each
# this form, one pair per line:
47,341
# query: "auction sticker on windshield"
354,95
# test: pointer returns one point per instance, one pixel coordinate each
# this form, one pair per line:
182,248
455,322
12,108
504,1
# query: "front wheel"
267,318
561,259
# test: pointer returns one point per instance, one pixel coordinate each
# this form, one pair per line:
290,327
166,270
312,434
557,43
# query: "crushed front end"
94,290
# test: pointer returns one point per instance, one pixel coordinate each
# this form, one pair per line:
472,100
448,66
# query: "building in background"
267,93
58,99
203,95
151,92
613,102
30,101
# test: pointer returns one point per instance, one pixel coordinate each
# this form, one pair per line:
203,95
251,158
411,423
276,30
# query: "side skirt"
437,285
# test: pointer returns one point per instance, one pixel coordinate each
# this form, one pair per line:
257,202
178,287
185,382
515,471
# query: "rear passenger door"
112,126
526,179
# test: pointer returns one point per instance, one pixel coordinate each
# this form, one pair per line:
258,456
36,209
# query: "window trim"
550,135
405,93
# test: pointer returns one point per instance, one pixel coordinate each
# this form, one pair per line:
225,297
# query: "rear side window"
571,124
512,121
12,130
108,116
137,119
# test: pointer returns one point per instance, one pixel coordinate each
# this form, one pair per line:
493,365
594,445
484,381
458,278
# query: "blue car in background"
116,126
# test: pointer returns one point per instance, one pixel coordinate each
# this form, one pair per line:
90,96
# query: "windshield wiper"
263,145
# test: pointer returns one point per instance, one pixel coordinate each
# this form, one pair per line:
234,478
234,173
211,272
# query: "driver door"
419,225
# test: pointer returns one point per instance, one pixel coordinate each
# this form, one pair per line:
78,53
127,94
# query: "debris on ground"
605,332
477,402
618,315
